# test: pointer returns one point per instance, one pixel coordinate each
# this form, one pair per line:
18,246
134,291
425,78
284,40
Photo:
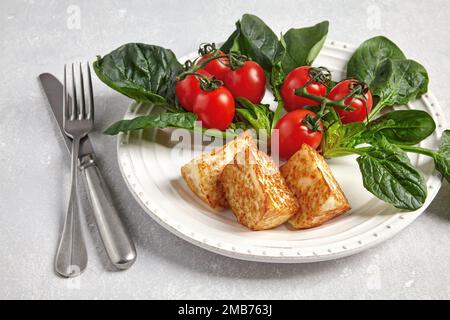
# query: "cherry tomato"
215,108
293,132
248,81
361,108
188,89
295,79
217,67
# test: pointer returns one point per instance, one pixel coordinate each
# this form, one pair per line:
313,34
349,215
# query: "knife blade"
54,91
118,244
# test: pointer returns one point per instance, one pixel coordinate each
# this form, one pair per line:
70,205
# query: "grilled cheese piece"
319,195
202,173
256,192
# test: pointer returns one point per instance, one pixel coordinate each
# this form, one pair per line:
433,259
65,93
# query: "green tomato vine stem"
192,67
303,92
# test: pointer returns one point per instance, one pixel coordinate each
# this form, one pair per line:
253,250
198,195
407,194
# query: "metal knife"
117,242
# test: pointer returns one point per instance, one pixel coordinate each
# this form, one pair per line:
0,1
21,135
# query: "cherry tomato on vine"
361,108
217,67
296,128
188,89
247,81
215,108
295,79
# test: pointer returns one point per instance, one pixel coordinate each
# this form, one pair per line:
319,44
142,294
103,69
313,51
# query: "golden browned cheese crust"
202,173
256,192
319,195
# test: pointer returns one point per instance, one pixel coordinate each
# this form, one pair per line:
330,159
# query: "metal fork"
71,257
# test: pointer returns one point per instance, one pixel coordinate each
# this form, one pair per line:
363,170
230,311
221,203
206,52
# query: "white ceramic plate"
151,168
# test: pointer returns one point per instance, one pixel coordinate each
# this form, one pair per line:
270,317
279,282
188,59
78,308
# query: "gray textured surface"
34,175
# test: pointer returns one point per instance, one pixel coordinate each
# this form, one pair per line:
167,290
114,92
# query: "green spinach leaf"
232,43
399,81
338,138
442,156
364,63
255,39
299,47
402,127
388,174
389,75
239,125
145,73
185,120
258,115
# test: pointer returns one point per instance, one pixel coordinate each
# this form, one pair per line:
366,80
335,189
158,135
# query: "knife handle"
117,242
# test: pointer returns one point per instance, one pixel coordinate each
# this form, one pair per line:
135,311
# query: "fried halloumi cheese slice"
256,191
319,195
202,173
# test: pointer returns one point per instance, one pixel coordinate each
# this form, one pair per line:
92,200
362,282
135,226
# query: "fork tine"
91,94
82,110
74,108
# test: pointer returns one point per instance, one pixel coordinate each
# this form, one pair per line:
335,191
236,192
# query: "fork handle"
71,256
117,242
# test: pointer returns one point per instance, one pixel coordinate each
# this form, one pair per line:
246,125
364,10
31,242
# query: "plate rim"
286,255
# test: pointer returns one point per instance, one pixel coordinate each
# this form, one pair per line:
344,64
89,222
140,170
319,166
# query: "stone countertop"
40,36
